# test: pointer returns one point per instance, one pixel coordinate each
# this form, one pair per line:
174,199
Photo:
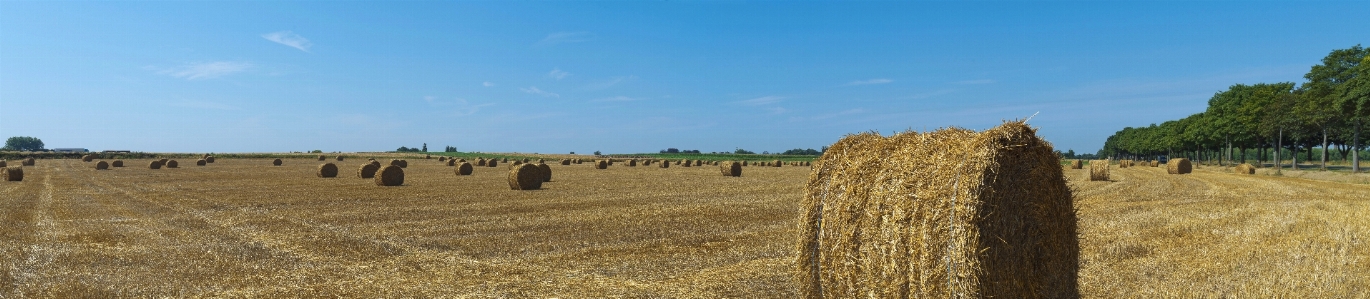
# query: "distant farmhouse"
71,150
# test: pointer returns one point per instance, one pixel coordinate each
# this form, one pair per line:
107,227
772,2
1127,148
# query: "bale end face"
322,158
102,165
339,158
601,164
12,174
209,159
155,164
172,164
730,168
276,162
327,170
492,163
1179,166
565,162
368,170
201,162
463,169
117,163
390,176
546,172
525,177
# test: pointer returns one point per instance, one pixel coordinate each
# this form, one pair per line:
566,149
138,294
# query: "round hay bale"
328,170
526,160
442,159
611,162
699,162
117,163
87,158
480,162
546,172
1155,163
368,170
464,169
276,162
3,163
1244,169
377,163
451,162
390,176
155,164
1122,163
515,164
338,158
525,177
210,159
12,174
395,162
172,164
686,163
601,164
730,168
776,163
427,157
461,160
630,162
664,164
542,161
321,158
404,163
506,160
1179,166
27,162
1076,164
1098,170
491,163
102,165
961,214
565,162
164,161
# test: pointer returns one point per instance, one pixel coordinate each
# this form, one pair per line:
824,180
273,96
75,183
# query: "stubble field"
243,228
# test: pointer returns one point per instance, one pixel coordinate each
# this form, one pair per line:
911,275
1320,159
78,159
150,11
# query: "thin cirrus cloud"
289,39
869,82
566,37
204,70
488,84
558,74
761,101
536,91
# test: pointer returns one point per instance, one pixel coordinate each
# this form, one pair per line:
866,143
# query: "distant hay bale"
463,169
460,160
276,162
631,162
200,162
699,162
377,163
525,177
664,164
164,161
947,214
565,162
117,163
442,159
155,164
541,161
172,164
27,162
87,158
328,170
1122,163
480,162
686,163
3,163
1179,166
1155,163
210,159
102,165
515,164
730,168
601,164
395,162
776,163
338,158
404,163
12,174
451,162
546,172
1244,169
390,176
526,160
491,163
427,156
506,160
1076,164
1098,170
321,158
610,161
368,170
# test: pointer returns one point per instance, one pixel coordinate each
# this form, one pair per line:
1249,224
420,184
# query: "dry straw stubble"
525,177
390,176
961,214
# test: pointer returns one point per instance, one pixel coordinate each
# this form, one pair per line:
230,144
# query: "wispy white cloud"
466,108
203,70
609,83
869,82
488,84
566,37
557,73
289,39
761,101
536,91
975,82
616,99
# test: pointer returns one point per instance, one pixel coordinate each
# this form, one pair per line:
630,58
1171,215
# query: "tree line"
1273,120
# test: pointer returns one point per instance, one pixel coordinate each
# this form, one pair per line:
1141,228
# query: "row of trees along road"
1331,109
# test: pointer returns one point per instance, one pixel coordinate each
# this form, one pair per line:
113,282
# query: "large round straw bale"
442,159
1179,166
12,174
321,158
404,163
730,168
525,177
117,163
601,164
1076,164
27,162
1122,163
395,162
328,170
210,159
338,158
546,172
946,214
664,164
565,162
1244,169
276,162
480,162
172,164
492,163
200,162
155,164
102,165
390,176
451,162
463,169
630,162
164,161
87,158
3,163
1098,170
1155,163
368,170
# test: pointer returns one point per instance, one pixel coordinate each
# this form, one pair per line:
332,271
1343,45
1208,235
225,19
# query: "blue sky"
629,77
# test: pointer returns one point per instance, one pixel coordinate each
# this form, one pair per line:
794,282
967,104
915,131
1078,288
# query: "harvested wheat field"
246,228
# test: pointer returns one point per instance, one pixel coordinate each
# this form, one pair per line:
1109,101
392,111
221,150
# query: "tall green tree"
1339,81
23,143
